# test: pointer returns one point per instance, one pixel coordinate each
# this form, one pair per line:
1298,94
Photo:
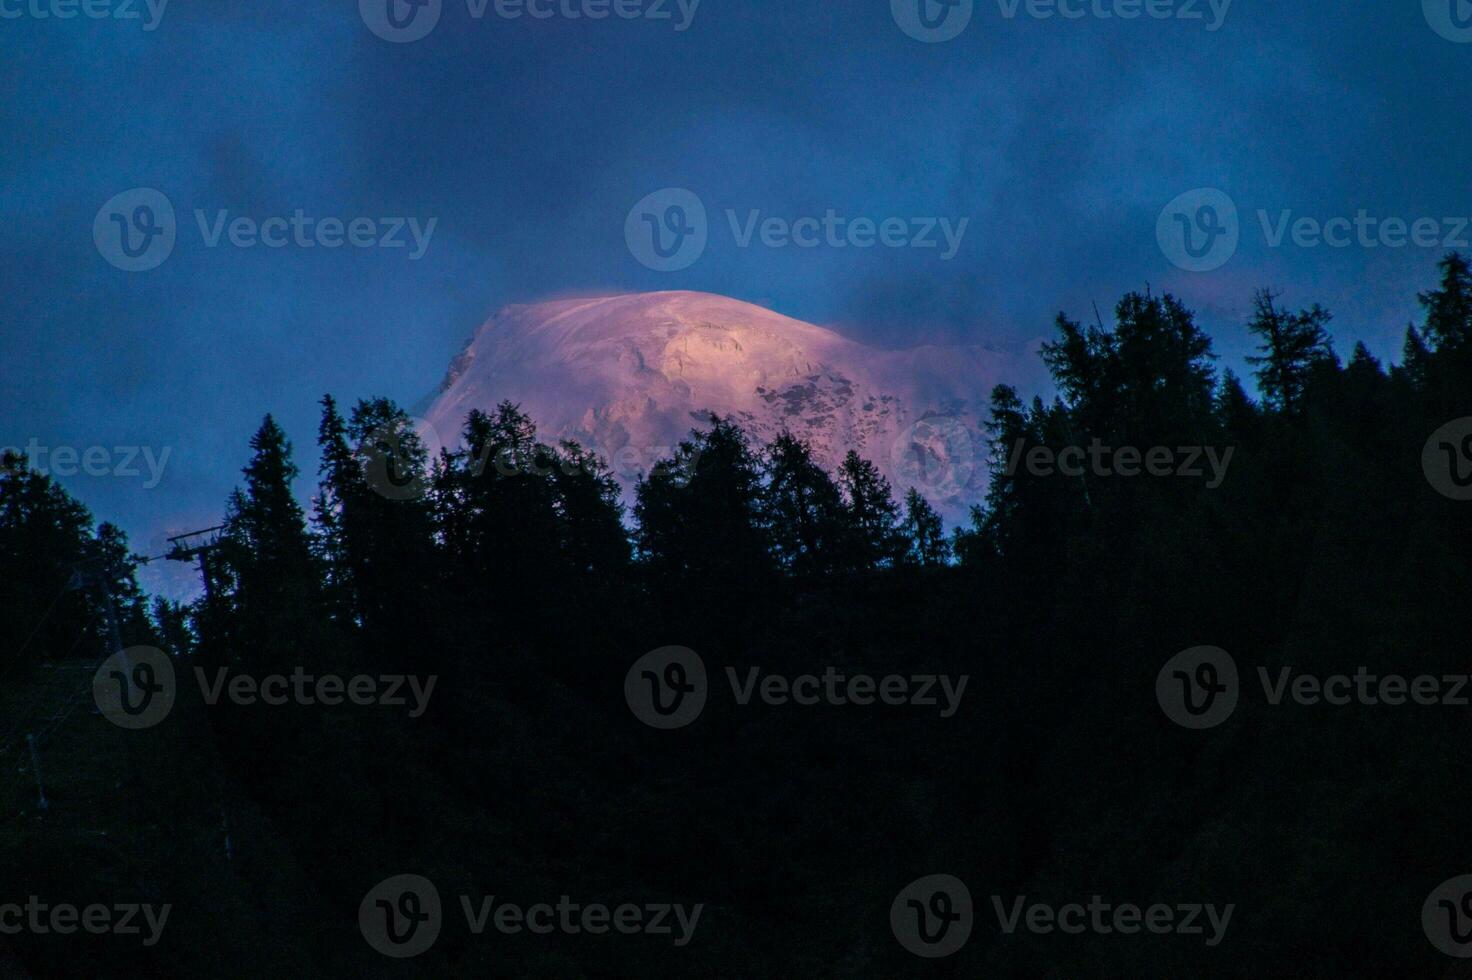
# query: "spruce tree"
873,514
924,532
698,513
802,509
1448,324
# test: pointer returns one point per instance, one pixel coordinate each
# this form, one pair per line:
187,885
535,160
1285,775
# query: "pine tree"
1149,381
386,517
802,509
1293,346
266,515
924,532
589,514
1448,308
1448,332
1235,407
340,487
1415,360
495,510
267,559
1014,498
873,515
51,563
698,514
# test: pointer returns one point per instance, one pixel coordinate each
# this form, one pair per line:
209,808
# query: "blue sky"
528,140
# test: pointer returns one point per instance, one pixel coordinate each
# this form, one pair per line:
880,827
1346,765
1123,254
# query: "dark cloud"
528,141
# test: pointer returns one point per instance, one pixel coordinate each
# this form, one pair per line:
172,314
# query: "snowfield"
630,375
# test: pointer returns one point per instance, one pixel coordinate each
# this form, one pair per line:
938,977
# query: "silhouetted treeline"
1152,505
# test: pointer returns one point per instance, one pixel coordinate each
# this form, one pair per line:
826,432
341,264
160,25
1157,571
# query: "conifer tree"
1448,324
924,531
340,487
269,567
802,509
698,513
1293,345
589,513
873,514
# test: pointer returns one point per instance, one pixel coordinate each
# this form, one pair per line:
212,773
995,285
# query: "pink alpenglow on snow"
630,375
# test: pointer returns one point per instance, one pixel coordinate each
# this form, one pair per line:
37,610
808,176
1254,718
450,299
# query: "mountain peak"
630,374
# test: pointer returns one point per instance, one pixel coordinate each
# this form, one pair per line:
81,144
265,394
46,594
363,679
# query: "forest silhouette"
511,570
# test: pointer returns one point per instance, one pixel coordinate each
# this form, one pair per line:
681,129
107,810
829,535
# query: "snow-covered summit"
630,375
